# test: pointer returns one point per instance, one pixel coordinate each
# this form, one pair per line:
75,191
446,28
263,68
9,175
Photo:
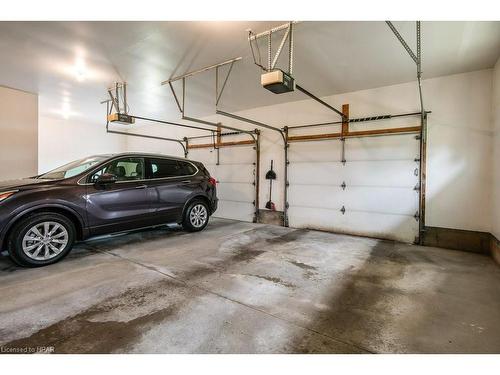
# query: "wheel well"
197,197
70,215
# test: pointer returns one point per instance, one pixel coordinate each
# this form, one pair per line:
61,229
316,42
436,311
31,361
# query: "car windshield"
72,169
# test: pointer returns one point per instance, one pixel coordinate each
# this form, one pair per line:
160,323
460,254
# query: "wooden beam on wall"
345,120
221,144
219,136
312,137
408,129
360,133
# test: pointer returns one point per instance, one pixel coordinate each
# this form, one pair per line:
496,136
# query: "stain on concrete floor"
88,332
248,288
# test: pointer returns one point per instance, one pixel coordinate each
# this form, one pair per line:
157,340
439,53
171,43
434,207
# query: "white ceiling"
70,64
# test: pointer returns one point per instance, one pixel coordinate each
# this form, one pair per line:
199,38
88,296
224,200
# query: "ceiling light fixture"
65,110
80,69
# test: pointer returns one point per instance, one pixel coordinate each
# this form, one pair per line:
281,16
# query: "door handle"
141,187
185,182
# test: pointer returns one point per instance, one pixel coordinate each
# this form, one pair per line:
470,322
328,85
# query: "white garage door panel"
316,151
380,174
237,154
235,174
235,210
393,173
395,147
236,192
206,156
389,200
396,227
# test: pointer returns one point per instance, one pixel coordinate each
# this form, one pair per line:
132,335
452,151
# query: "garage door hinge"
287,183
342,210
417,160
253,203
417,136
343,185
417,187
416,216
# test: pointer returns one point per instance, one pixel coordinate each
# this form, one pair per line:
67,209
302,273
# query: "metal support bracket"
109,109
314,97
194,72
272,61
402,41
118,98
218,94
182,108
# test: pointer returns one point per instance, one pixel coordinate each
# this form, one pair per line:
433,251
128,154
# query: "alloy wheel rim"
45,240
198,216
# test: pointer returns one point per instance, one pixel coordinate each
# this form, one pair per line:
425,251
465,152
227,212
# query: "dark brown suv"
42,216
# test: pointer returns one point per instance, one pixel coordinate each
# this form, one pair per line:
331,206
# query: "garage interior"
379,234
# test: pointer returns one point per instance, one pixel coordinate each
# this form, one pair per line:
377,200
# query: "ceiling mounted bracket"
118,98
272,61
417,58
182,105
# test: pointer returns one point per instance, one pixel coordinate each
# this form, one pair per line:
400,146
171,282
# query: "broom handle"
271,183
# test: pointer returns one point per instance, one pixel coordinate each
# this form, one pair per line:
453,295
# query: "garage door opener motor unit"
277,81
121,118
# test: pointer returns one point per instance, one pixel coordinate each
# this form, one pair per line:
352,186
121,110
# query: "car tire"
196,216
41,239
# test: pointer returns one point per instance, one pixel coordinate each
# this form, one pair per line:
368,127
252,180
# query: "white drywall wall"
18,128
63,140
496,151
459,152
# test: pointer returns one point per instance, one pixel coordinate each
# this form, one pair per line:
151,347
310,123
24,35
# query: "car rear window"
161,168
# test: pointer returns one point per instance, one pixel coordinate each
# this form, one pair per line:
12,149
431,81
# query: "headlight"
5,194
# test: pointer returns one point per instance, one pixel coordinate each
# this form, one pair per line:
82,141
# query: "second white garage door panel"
233,173
380,176
395,227
388,173
394,201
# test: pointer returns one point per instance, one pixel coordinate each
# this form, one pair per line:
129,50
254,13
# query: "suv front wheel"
41,239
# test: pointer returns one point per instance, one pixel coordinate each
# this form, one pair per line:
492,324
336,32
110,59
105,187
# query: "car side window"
124,169
162,168
186,168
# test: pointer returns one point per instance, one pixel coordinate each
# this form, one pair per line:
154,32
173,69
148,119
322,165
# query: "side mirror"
106,178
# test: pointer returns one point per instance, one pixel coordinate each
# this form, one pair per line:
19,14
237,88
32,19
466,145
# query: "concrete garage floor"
252,288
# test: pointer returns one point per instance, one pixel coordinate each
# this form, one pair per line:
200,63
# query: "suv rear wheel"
41,239
196,216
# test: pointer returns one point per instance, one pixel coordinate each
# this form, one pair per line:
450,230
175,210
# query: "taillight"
6,194
212,181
